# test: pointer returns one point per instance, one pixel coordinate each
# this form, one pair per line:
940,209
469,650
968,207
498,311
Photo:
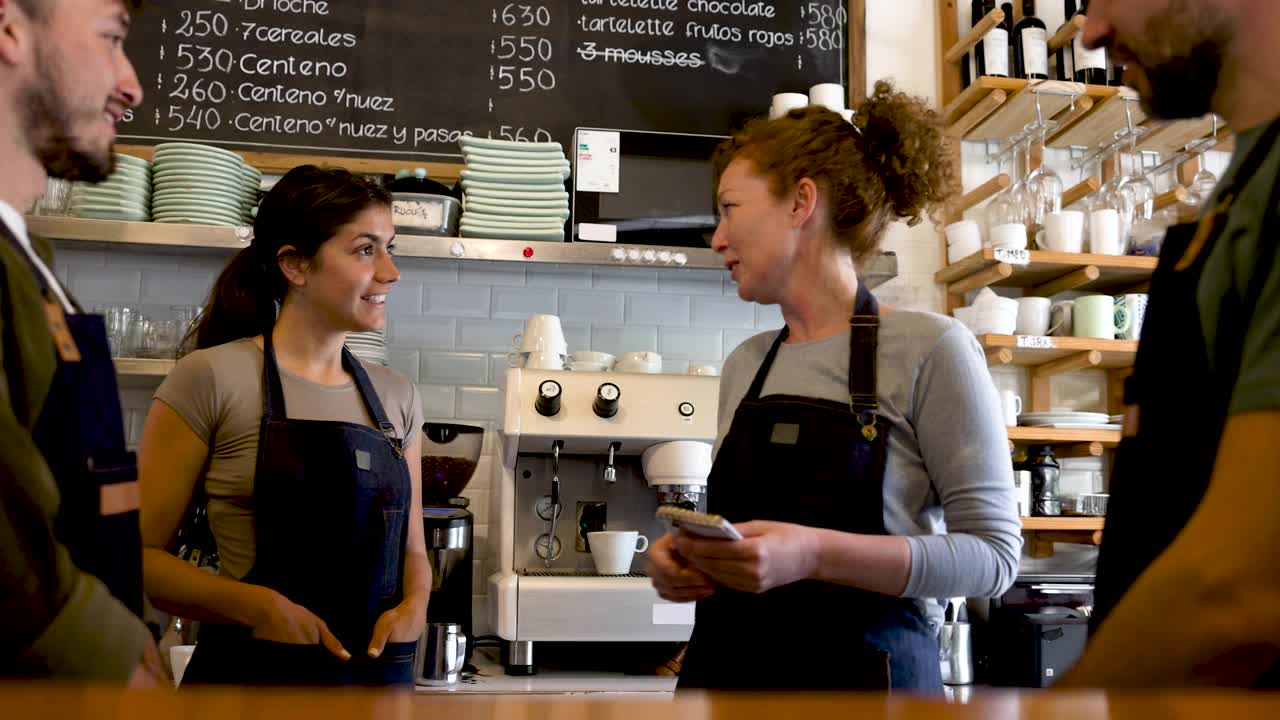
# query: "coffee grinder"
450,454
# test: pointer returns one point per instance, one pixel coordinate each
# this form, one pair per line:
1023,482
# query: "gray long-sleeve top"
948,484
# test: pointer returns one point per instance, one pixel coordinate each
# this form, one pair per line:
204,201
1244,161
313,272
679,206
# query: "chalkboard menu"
405,78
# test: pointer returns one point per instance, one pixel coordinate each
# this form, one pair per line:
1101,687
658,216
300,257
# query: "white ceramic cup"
591,356
1134,305
1011,406
1104,232
544,360
1012,236
708,370
1063,232
786,102
613,550
1033,316
639,362
541,332
828,95
964,238
583,366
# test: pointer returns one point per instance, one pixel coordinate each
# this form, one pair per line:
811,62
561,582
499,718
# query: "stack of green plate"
125,195
202,185
513,190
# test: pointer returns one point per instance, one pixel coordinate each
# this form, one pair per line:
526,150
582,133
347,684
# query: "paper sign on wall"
599,153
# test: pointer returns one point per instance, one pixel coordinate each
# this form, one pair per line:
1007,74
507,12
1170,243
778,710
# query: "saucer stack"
202,185
125,195
514,190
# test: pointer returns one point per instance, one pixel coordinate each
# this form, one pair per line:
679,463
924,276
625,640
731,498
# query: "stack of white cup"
541,346
828,95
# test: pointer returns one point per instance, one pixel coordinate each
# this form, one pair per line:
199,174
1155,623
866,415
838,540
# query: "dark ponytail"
304,209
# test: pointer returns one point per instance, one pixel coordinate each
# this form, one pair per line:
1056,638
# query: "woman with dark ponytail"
861,451
298,449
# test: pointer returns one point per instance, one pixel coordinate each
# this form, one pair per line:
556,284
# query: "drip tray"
553,572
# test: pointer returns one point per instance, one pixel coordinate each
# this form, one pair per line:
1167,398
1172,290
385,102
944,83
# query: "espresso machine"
450,454
573,461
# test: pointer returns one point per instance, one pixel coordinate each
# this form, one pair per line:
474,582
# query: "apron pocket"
393,524
394,668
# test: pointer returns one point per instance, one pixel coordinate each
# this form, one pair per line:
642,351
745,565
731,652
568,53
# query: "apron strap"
273,389
864,328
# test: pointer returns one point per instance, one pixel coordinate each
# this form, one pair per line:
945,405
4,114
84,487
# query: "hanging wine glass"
1007,207
1044,187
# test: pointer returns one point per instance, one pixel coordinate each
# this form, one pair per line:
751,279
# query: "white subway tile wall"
450,326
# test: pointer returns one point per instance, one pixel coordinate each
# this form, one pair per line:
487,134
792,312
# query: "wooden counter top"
37,700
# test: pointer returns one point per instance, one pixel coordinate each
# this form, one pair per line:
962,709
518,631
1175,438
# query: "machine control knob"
664,256
633,255
606,403
681,259
456,249
548,402
650,256
686,409
618,254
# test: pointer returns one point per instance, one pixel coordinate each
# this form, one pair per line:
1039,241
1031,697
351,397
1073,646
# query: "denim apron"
818,463
331,505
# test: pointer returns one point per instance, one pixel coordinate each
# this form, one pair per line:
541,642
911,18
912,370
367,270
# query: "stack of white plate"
125,195
202,185
514,190
368,346
1068,420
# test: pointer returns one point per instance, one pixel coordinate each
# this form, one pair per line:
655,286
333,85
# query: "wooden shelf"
143,367
1110,353
209,238
1115,272
1064,523
994,108
1058,436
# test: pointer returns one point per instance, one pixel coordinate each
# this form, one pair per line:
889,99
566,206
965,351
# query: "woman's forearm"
417,578
879,563
179,588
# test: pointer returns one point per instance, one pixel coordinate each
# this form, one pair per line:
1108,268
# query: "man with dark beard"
70,554
1189,572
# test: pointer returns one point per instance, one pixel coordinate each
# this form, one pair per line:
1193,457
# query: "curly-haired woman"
861,450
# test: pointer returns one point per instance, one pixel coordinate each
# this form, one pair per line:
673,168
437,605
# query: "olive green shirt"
1240,254
54,619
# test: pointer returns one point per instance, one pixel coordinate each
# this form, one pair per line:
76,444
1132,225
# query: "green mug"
1096,316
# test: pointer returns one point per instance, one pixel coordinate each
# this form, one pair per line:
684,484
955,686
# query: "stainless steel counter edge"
166,237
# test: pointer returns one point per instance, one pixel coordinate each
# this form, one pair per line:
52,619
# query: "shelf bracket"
1087,187
1072,280
1081,450
1070,363
978,195
997,357
979,112
981,279
974,36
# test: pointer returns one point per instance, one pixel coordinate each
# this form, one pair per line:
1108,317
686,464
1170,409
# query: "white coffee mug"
1033,316
1104,232
829,95
541,332
639,362
1063,232
584,366
592,356
1060,318
1134,306
964,238
1011,406
613,550
544,360
786,102
1012,236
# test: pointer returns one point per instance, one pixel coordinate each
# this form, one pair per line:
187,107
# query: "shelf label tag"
1036,342
1013,257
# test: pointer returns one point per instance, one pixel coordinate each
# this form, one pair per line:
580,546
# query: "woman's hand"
672,577
402,623
769,555
282,621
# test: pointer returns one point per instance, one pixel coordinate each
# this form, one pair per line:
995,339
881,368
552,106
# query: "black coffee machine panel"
1036,631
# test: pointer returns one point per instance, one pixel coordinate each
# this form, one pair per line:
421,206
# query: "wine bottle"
1030,45
1064,57
992,54
1116,76
1090,65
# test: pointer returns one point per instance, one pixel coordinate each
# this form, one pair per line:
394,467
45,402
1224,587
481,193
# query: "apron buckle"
867,420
